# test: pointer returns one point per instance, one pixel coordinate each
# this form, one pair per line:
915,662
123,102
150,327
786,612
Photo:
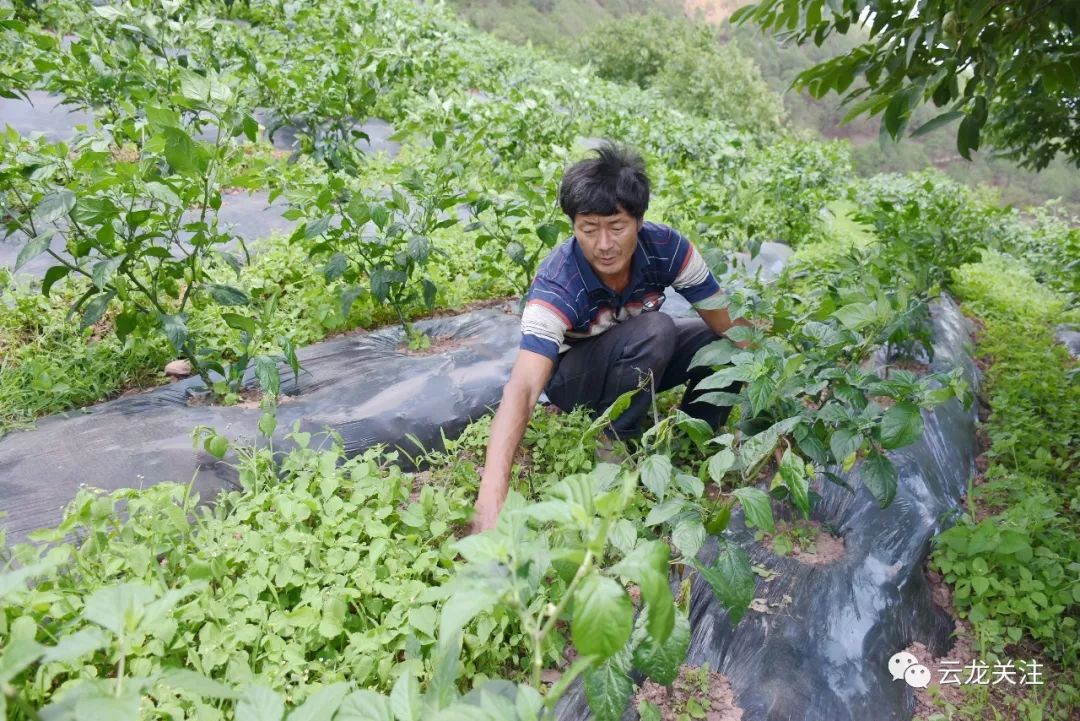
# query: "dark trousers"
596,371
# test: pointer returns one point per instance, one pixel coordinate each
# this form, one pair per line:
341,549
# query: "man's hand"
720,322
488,502
527,380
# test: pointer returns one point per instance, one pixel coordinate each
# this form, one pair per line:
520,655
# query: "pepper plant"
139,224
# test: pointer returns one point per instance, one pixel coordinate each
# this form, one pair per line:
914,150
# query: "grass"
50,365
1014,558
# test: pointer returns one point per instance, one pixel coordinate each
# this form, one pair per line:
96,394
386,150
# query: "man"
589,330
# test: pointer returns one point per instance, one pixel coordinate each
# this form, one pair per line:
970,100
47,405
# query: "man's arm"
528,378
720,321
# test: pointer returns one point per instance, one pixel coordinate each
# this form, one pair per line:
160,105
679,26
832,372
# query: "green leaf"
258,703
699,431
17,656
855,316
656,474
757,510
603,617
194,86
267,424
240,322
967,136
348,297
901,425
16,580
879,476
33,248
612,412
418,248
52,275
937,122
95,309
162,192
181,151
661,661
843,442
216,445
731,579
608,687
754,449
647,566
365,705
725,377
405,699
321,705
717,353
446,667
422,618
175,329
548,234
689,536
665,511
53,206
197,684
227,294
647,710
336,266
266,370
122,708
719,464
794,476
463,606
760,392
114,608
77,645
104,270
250,127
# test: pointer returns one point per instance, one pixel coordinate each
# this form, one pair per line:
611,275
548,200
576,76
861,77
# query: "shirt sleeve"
695,281
545,320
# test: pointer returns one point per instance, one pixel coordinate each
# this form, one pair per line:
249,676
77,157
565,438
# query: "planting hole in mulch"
805,541
436,345
697,693
247,398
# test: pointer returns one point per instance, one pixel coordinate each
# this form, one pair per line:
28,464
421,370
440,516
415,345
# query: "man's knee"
652,338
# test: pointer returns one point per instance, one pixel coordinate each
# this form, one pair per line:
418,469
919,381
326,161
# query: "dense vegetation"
779,62
328,582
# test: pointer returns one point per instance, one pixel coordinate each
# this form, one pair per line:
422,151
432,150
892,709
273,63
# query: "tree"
1008,70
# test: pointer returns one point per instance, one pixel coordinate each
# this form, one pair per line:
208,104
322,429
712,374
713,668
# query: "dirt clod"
697,693
179,368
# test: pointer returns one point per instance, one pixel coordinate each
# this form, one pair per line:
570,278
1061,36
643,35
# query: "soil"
1003,697
826,547
438,344
914,366
718,702
249,398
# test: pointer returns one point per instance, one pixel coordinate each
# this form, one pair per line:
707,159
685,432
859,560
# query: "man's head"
606,198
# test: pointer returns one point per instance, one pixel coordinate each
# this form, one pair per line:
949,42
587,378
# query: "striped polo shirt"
568,303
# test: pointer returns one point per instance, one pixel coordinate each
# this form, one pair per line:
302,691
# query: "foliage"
684,62
316,571
1007,69
1015,567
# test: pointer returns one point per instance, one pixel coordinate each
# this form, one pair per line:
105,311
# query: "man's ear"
640,223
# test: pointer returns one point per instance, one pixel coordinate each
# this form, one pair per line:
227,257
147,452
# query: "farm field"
321,217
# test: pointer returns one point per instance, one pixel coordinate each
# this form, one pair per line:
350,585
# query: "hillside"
558,25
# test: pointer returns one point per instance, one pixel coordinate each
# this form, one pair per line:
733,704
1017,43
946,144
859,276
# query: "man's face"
608,241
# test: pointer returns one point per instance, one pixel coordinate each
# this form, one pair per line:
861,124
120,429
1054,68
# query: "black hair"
597,186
